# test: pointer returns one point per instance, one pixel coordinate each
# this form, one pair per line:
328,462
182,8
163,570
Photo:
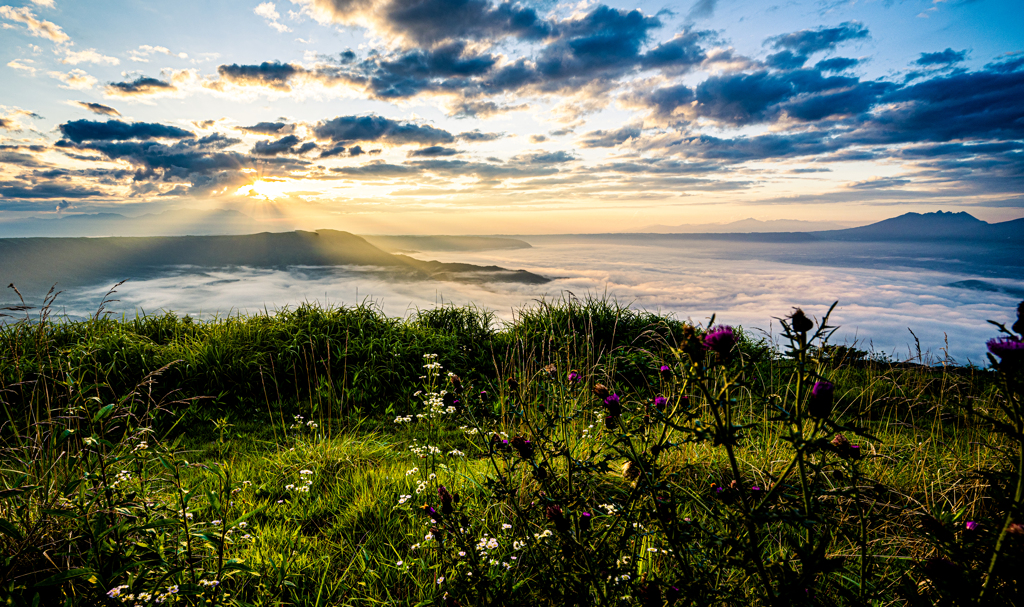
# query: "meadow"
584,453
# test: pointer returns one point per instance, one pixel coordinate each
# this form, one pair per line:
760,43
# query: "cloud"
433,151
428,22
878,183
265,128
20,64
140,87
609,139
702,9
836,64
37,27
91,130
10,119
76,80
17,190
268,11
946,57
98,108
274,75
273,148
143,53
808,42
372,128
477,135
88,56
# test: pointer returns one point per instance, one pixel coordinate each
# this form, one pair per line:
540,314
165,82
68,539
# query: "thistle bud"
799,321
822,399
601,390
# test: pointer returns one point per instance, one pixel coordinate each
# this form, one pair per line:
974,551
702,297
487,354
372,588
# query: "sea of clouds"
878,308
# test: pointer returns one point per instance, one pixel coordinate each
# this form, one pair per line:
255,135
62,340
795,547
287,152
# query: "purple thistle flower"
574,376
822,398
666,371
613,404
721,340
1007,348
971,526
585,520
660,402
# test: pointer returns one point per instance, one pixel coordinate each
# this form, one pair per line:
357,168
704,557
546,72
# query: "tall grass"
313,457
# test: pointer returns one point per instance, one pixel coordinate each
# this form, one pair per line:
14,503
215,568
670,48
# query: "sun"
267,189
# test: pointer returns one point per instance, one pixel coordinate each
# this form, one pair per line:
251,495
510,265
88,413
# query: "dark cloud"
535,138
808,42
433,152
17,190
609,139
83,130
878,183
140,87
273,148
264,128
477,135
680,53
785,60
543,158
347,129
967,106
271,74
946,57
98,108
428,22
836,64
604,39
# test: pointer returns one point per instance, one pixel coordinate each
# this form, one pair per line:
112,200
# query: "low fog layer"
690,280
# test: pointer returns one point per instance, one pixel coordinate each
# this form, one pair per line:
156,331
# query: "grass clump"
585,454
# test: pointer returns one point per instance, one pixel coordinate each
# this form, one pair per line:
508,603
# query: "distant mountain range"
931,226
35,263
939,225
744,226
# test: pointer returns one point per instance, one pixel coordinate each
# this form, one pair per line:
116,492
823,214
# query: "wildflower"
799,321
721,340
601,390
822,400
403,498
551,369
613,404
574,376
971,526
523,447
585,520
660,402
1008,349
1015,529
305,472
400,563
116,592
440,580
665,371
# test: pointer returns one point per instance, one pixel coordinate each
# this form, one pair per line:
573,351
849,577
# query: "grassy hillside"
584,454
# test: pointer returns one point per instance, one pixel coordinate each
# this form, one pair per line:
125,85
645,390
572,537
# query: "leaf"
9,530
103,413
64,576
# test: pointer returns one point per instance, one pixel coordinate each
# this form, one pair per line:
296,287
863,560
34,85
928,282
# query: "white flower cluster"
403,498
432,364
403,420
485,544
122,477
306,481
160,596
300,424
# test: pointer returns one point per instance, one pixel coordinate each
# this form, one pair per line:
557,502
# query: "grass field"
584,454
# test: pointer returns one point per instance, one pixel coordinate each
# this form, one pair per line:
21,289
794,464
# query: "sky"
502,117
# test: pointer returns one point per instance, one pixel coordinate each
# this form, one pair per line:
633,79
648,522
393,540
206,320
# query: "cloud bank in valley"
876,307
